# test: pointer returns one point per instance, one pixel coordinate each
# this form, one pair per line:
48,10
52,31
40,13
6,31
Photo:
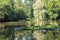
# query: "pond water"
18,33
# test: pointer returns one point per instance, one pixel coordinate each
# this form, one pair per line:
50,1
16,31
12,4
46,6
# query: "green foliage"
53,7
16,11
9,11
53,35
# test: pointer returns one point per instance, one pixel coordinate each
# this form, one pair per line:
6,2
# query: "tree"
10,8
3,4
39,12
53,8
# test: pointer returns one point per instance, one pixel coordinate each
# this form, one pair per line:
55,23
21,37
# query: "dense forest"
38,14
10,8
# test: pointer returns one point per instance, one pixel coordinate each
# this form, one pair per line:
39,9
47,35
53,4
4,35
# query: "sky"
23,1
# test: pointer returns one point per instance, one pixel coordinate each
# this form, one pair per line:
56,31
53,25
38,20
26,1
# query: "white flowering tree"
39,12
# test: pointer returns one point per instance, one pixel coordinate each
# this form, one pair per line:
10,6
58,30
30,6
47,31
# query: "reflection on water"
13,33
16,38
23,38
